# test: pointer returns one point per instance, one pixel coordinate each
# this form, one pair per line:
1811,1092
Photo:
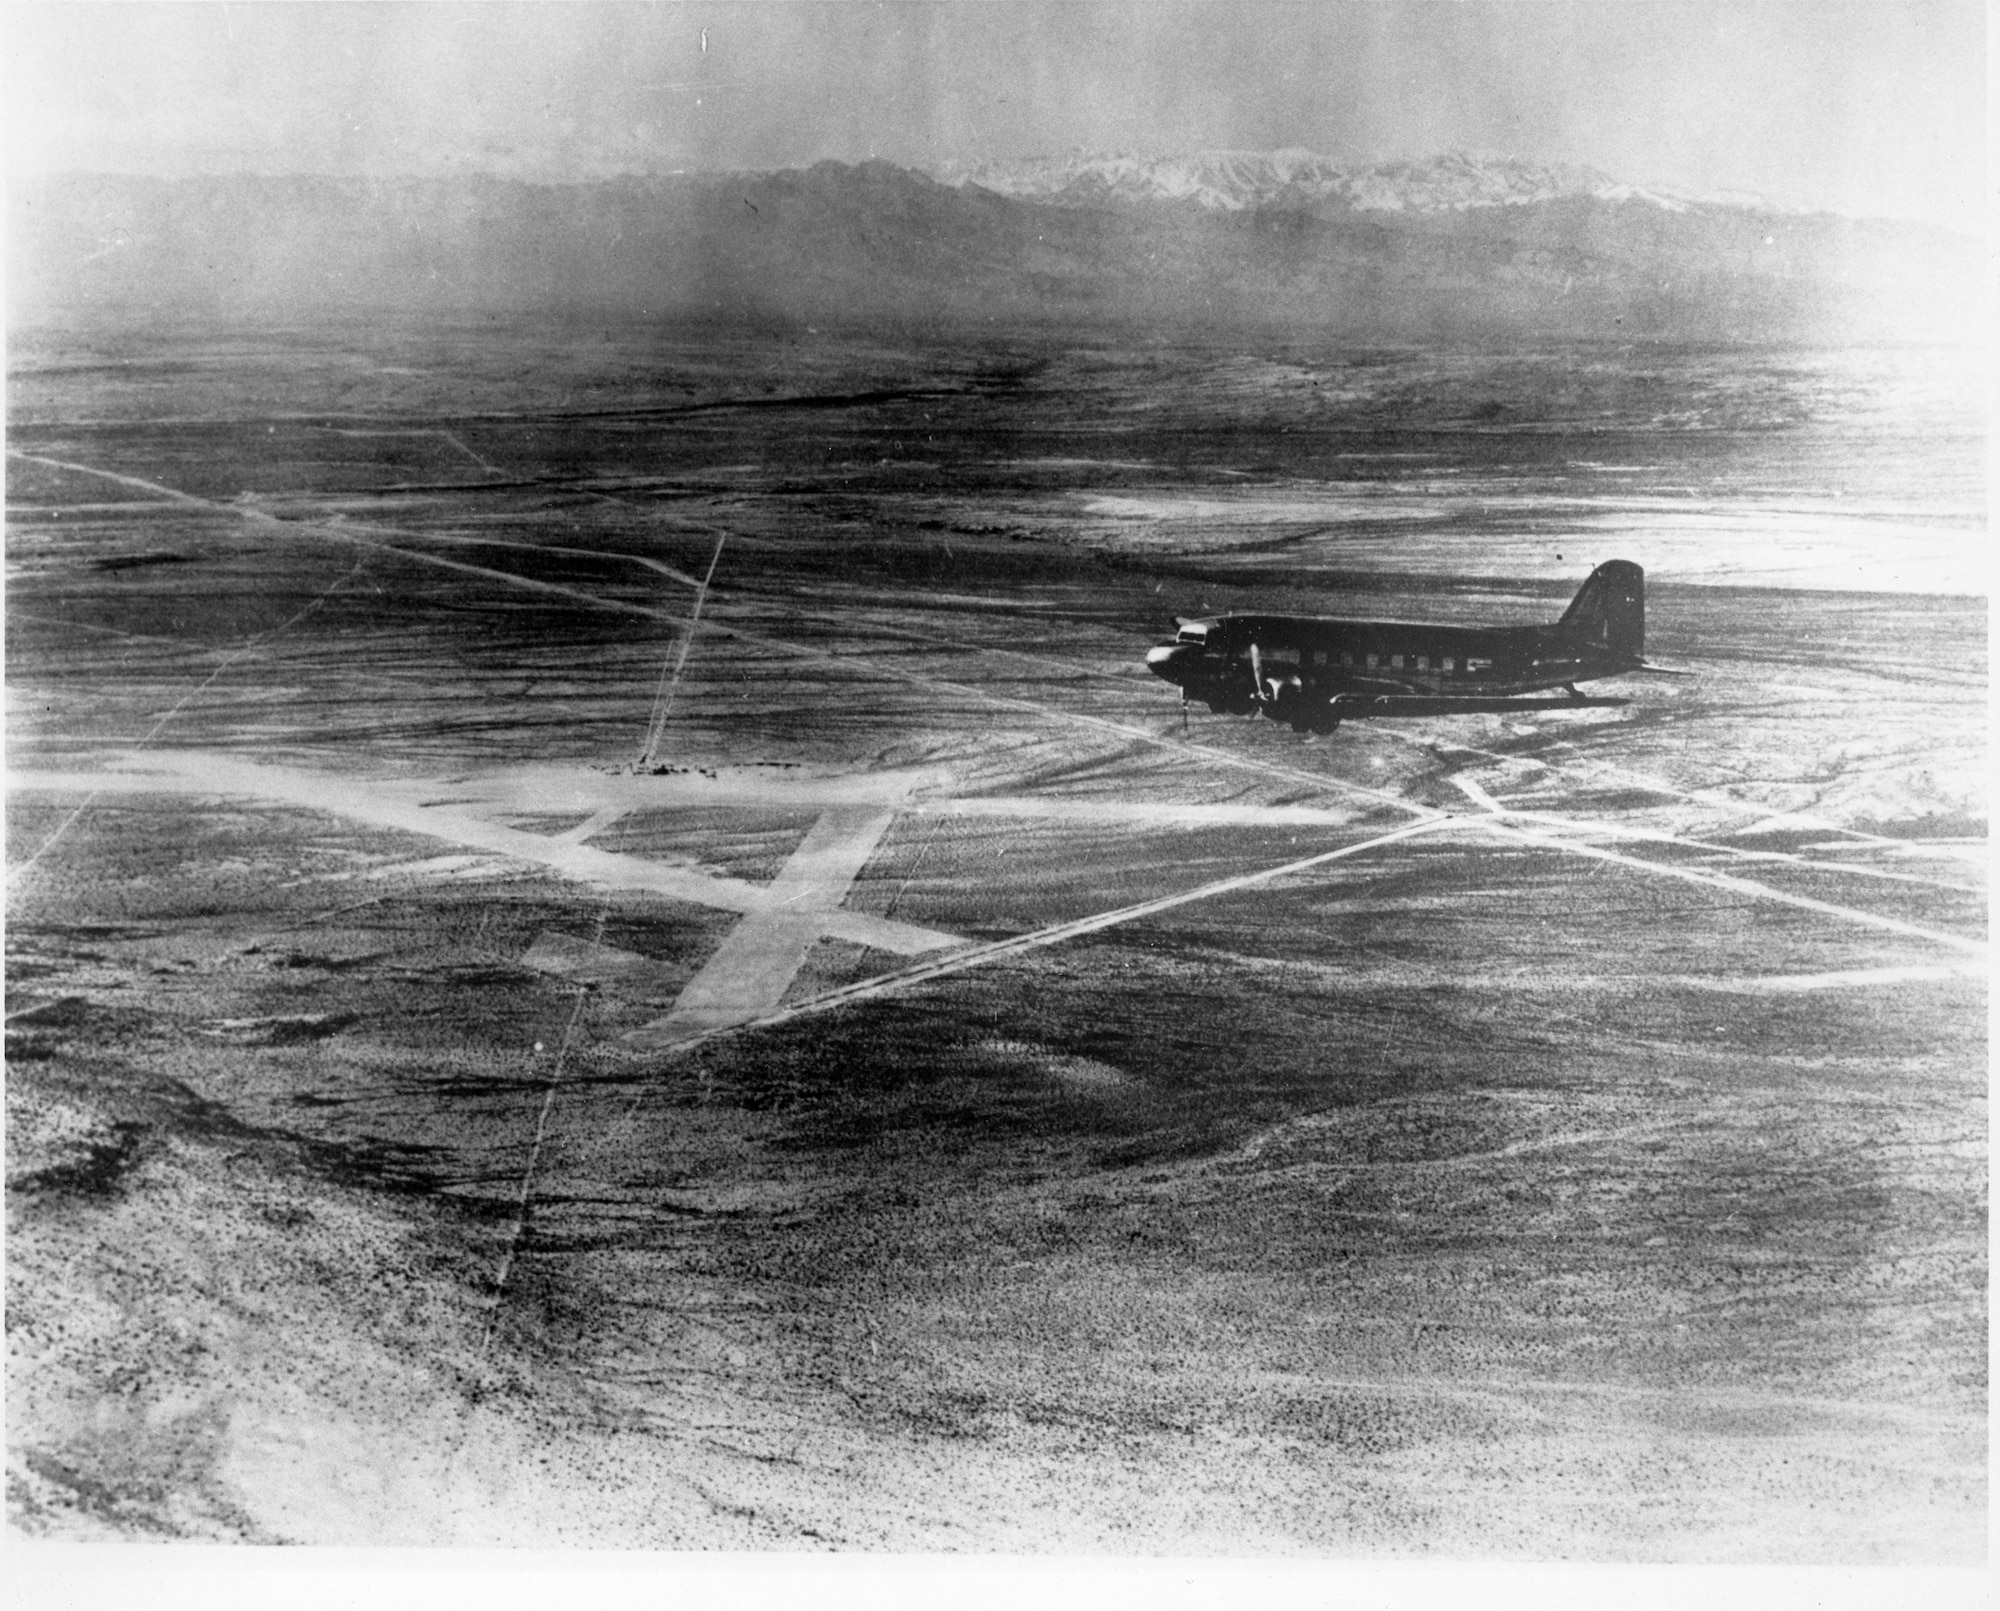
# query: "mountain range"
1299,181
1455,248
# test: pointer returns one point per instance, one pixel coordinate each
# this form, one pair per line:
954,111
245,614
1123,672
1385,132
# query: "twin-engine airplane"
1313,672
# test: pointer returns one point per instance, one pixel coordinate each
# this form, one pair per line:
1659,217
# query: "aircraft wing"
1351,706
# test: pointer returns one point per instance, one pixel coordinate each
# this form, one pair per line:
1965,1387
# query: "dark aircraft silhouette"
1313,672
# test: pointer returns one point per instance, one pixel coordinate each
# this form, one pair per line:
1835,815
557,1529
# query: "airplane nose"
1163,661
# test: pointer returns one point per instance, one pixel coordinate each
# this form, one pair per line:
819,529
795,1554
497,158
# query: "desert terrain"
507,1044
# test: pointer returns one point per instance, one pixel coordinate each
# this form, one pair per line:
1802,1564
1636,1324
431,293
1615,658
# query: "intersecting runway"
745,981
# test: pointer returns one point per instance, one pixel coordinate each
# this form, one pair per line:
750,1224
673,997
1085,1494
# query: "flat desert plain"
508,1044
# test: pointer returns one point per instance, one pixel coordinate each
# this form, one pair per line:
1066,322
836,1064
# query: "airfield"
494,1058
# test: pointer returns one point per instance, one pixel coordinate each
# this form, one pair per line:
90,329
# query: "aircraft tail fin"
1609,611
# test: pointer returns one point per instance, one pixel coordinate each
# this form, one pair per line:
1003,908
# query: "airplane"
1313,672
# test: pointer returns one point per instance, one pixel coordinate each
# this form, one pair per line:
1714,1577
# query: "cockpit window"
1192,632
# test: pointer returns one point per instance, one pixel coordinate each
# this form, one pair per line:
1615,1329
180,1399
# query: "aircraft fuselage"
1313,670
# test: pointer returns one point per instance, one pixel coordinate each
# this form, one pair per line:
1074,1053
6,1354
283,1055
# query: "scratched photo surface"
610,941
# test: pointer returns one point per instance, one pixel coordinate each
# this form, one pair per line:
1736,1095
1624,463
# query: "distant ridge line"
1236,180
1457,248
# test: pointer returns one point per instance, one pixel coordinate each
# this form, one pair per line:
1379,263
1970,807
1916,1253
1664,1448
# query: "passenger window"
1395,662
1423,662
1447,663
1346,658
1374,661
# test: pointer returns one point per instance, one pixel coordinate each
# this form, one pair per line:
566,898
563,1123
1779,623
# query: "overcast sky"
1876,107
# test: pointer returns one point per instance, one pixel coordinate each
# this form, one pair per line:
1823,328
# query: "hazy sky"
1873,107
